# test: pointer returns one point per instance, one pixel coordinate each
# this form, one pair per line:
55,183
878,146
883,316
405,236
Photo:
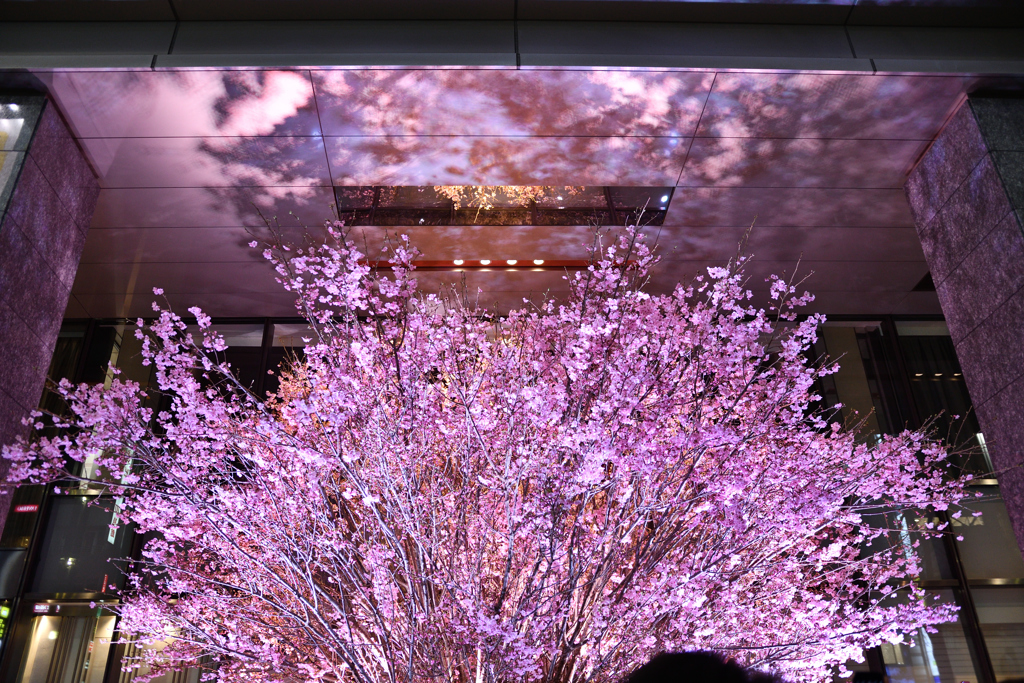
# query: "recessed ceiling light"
458,262
561,207
14,107
918,374
664,199
511,261
485,262
559,197
538,262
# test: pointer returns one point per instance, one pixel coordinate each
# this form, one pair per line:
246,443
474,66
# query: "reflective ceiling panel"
193,161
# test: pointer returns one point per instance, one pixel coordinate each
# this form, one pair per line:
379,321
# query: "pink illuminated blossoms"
439,495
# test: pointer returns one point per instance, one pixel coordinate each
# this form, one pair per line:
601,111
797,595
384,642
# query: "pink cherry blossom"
436,494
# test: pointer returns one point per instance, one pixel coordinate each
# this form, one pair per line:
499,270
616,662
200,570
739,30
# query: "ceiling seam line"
174,38
890,188
638,136
696,129
319,120
526,267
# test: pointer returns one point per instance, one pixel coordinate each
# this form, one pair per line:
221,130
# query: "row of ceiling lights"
487,262
485,265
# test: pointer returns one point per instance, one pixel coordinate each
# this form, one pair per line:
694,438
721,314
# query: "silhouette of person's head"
695,667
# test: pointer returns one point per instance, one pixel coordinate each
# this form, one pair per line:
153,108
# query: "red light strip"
494,265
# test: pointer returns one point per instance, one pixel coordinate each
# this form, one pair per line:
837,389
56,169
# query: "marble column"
47,195
967,197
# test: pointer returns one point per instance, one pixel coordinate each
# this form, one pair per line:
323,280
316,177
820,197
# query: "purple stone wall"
41,239
967,196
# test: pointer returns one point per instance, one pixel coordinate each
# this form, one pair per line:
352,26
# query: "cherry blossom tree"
437,494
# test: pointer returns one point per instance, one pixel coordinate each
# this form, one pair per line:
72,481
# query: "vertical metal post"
613,216
373,207
268,341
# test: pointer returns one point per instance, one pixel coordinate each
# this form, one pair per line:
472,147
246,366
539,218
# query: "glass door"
67,649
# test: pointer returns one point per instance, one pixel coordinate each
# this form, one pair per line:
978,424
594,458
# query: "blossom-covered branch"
435,494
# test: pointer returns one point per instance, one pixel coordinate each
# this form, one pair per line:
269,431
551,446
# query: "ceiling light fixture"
538,262
664,198
511,261
559,197
458,262
14,107
485,262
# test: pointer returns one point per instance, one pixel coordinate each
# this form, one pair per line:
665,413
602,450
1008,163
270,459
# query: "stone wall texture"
967,196
41,238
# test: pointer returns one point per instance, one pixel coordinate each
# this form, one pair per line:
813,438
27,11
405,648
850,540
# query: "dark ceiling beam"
955,13
171,44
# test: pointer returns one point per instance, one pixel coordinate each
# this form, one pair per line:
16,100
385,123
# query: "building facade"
875,146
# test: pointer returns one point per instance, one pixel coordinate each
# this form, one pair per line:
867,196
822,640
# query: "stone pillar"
967,197
47,195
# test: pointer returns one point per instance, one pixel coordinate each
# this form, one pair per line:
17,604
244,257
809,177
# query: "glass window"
922,328
134,670
64,364
633,198
292,335
939,390
21,517
989,549
245,349
18,117
934,562
114,344
404,197
12,564
246,335
849,386
1001,614
941,657
501,205
79,544
288,346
